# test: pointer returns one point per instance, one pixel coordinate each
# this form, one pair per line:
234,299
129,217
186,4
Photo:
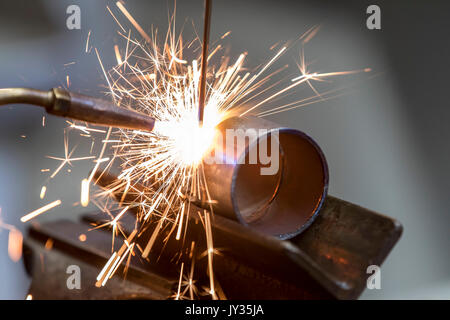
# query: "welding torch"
62,103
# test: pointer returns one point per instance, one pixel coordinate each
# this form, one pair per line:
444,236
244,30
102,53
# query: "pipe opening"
285,203
253,191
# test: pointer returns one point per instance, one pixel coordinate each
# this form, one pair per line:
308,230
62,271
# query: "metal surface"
48,266
281,203
75,106
327,261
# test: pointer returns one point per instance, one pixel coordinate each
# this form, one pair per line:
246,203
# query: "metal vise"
327,261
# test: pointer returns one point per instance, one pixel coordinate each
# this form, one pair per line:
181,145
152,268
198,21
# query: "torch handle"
97,111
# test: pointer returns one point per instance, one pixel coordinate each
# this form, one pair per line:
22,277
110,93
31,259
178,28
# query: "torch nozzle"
76,106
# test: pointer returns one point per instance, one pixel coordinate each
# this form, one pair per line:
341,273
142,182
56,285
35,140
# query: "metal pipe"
281,203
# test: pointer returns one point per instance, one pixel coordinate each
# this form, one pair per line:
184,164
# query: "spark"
311,33
39,211
118,57
179,282
226,34
43,190
209,242
48,244
103,68
180,223
87,41
114,17
133,22
15,240
316,76
84,192
295,84
67,158
214,52
274,46
114,261
84,128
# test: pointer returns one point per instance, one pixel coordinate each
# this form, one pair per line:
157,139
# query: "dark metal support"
327,261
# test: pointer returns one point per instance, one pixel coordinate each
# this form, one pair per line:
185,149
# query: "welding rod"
204,67
63,103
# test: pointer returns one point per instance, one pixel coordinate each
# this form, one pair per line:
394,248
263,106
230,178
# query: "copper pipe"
282,204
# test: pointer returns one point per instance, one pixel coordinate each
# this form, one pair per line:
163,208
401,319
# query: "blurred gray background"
386,142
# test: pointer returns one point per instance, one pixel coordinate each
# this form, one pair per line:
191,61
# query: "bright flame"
190,140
